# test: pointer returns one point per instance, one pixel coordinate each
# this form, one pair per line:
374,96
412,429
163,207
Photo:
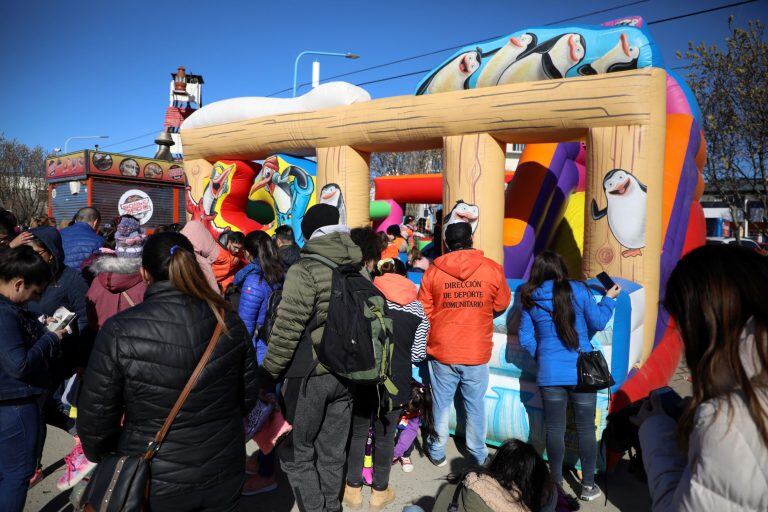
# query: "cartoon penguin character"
504,57
621,57
551,59
331,194
454,76
463,212
625,210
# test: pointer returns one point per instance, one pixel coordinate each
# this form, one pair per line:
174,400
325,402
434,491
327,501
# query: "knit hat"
458,233
317,217
129,238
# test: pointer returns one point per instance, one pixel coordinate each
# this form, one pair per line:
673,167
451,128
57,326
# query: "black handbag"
120,483
593,372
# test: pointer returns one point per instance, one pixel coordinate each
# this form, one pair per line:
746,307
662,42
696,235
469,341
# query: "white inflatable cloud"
331,94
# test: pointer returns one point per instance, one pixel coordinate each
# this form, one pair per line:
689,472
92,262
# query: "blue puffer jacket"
79,241
538,335
26,351
68,288
254,299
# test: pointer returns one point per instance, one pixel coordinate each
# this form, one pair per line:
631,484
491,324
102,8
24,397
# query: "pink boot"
76,466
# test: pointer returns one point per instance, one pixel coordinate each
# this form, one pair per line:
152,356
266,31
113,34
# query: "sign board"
72,165
137,203
101,163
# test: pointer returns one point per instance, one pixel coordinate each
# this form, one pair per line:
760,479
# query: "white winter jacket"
727,464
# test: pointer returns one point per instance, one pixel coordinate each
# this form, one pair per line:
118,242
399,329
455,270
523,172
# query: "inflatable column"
348,169
623,225
474,174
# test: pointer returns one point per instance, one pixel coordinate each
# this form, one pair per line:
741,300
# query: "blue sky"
103,67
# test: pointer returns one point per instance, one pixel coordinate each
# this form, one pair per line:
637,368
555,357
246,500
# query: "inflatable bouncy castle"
610,178
550,199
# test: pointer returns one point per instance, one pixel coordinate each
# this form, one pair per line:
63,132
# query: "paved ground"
625,491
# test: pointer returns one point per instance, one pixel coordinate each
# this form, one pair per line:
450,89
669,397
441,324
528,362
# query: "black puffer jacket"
141,361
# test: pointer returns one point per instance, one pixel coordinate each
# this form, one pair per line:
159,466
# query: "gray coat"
727,464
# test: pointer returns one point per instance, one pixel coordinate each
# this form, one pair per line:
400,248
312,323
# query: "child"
417,413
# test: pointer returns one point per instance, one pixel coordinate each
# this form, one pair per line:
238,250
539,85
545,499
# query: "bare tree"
731,85
22,178
413,162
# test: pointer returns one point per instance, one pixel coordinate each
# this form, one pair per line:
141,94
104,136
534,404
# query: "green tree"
22,179
731,85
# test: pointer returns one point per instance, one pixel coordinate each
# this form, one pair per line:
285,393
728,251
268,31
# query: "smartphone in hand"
605,280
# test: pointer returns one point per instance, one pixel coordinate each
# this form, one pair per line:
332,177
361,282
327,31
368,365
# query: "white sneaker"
406,464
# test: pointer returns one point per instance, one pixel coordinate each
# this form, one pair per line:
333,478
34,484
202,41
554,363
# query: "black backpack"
357,342
265,329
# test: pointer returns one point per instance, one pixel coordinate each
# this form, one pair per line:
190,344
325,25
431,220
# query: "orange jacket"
224,267
460,292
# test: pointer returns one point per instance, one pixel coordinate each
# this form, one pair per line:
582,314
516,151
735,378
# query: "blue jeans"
19,430
555,400
473,382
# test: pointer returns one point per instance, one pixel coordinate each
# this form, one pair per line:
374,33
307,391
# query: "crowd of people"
146,307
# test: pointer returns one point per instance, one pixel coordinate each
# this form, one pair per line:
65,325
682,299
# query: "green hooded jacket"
306,292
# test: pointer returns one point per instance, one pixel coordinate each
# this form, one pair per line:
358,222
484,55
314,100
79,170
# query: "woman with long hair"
27,352
716,299
516,479
256,282
142,359
557,315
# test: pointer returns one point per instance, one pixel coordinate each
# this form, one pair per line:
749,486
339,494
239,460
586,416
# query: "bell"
164,142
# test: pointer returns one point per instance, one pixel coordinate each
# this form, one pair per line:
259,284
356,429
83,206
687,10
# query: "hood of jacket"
336,246
495,497
289,254
243,273
396,288
51,239
201,240
460,264
117,274
544,292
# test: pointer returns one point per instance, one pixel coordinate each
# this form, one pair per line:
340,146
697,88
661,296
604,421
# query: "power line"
434,52
393,77
704,11
128,140
134,149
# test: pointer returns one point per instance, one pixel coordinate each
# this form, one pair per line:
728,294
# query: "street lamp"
66,142
312,52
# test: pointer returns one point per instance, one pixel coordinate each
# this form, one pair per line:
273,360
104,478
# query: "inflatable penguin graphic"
551,59
625,210
463,212
504,57
331,194
454,76
621,57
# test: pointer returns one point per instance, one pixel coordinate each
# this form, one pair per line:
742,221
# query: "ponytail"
169,256
185,275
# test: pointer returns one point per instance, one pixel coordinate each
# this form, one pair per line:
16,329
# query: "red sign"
66,166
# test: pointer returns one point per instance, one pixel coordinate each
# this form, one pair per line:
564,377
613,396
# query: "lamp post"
312,52
66,142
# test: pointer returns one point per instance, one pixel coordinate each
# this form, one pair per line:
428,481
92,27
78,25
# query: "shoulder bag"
120,483
592,370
